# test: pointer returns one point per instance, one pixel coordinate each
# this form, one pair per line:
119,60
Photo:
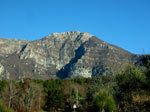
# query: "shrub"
3,108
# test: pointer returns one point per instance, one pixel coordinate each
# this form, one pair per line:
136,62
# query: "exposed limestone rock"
80,71
56,49
63,55
1,69
10,46
3,73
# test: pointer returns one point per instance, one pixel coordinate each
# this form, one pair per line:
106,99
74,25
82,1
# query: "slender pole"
77,97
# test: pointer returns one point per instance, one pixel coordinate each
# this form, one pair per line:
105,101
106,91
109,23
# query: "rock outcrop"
62,55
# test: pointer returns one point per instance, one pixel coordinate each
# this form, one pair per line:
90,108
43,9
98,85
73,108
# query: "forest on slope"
128,90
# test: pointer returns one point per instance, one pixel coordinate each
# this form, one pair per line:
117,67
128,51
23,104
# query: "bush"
3,83
3,108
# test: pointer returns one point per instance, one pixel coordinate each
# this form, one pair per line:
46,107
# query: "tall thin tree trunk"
77,98
40,101
10,94
31,105
9,104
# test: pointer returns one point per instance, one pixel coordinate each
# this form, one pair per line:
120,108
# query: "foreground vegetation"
126,91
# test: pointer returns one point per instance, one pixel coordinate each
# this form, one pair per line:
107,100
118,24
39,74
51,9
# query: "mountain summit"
62,55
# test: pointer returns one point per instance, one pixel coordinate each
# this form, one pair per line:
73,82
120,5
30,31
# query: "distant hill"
62,55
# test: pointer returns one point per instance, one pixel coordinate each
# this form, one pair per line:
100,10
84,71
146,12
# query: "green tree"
130,86
104,102
54,96
76,97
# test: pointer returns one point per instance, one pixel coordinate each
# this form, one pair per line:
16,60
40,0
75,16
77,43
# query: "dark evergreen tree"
54,97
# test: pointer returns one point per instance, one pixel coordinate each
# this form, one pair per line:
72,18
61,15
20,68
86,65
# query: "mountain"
62,55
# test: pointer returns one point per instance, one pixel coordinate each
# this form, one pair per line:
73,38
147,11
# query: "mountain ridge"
62,55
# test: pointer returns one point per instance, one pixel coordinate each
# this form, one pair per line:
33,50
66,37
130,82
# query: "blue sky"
125,23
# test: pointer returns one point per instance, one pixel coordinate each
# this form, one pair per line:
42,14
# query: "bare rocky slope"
62,55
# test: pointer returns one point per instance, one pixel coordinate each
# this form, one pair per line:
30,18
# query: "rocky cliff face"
63,55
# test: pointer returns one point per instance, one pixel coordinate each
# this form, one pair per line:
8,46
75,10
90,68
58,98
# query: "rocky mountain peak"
73,35
62,55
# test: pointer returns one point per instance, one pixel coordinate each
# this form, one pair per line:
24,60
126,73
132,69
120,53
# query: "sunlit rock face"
56,49
62,55
3,73
10,46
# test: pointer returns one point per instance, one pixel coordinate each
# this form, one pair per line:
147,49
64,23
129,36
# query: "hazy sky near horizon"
125,23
